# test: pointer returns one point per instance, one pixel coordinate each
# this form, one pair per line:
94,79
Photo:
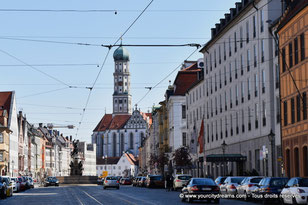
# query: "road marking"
76,197
92,198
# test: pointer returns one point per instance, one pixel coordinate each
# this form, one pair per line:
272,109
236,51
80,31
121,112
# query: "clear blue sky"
165,22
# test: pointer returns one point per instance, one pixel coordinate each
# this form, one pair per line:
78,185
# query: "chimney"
40,125
238,6
227,17
217,27
213,31
222,22
232,12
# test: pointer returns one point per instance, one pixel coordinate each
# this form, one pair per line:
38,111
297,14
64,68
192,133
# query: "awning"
225,158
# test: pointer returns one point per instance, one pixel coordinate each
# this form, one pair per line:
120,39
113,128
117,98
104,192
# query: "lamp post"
223,146
271,138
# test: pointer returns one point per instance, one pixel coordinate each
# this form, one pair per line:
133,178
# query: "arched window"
114,145
131,141
296,162
288,171
122,142
305,161
141,138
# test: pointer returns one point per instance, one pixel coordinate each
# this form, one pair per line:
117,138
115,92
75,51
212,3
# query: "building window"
242,69
114,145
224,50
242,91
263,113
302,38
290,55
277,110
229,45
277,76
283,59
295,51
122,142
241,37
285,113
210,62
183,112
231,125
237,124
235,68
226,126
261,21
215,58
256,116
230,71
254,26
235,42
298,108
248,60
257,161
236,95
219,54
230,98
225,75
247,31
1,138
249,119
262,50
304,106
263,81
254,55
131,141
292,111
184,139
256,85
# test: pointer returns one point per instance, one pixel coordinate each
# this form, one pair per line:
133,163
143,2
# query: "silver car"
230,184
248,185
111,181
180,181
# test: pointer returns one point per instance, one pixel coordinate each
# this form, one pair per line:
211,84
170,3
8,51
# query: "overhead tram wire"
151,88
109,48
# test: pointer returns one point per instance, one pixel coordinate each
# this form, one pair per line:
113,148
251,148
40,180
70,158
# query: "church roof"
110,160
5,101
118,121
104,123
111,123
121,54
132,160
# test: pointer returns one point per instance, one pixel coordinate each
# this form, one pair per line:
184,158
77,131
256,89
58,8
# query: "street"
93,194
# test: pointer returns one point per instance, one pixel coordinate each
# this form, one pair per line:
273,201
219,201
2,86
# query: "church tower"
122,99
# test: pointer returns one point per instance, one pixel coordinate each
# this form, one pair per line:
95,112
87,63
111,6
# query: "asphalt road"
92,194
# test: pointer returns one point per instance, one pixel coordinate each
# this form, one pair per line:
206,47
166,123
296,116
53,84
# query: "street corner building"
292,31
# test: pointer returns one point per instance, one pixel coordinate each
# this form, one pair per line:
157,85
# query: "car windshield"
278,182
303,182
236,180
184,177
111,178
156,178
255,180
203,182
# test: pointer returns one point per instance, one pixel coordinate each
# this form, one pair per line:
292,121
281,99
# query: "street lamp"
271,138
223,146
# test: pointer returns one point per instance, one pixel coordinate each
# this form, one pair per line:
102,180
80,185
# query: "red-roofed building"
8,103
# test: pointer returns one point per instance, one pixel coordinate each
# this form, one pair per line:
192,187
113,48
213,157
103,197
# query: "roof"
5,100
104,123
121,54
185,79
118,121
109,160
130,157
109,122
147,115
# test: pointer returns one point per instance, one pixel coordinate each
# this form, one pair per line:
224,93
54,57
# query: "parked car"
248,185
31,182
16,184
295,191
180,181
127,181
51,181
135,181
230,184
111,181
9,191
270,186
141,181
155,181
220,180
202,187
27,182
100,181
22,183
3,188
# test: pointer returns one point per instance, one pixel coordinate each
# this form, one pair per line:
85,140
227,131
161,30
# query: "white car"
295,191
248,185
15,184
230,184
111,181
180,180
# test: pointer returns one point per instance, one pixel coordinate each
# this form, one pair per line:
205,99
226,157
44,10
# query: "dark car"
200,189
269,188
3,188
126,181
51,181
155,181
